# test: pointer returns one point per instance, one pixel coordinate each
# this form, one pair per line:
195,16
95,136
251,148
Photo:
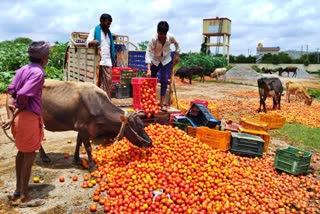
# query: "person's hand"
149,73
176,59
6,124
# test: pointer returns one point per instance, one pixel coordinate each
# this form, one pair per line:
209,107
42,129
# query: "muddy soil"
69,197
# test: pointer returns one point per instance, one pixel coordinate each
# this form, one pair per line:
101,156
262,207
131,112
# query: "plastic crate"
200,116
216,139
274,120
264,135
120,91
197,101
172,117
192,131
136,83
292,160
234,127
246,144
182,126
254,124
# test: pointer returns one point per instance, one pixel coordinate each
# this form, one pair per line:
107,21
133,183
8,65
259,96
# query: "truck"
81,62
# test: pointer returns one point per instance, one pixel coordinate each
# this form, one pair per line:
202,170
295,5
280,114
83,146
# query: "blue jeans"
165,74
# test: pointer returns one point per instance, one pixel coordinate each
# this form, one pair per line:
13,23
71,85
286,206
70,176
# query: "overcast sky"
289,24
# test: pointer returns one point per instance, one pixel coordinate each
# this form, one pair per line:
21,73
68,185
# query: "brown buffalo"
188,72
85,108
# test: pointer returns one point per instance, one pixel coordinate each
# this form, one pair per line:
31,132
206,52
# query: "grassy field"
299,136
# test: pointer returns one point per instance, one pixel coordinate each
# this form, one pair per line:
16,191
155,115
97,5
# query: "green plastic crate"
182,126
246,144
127,75
292,160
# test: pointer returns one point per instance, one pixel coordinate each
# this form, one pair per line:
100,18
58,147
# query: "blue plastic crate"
200,115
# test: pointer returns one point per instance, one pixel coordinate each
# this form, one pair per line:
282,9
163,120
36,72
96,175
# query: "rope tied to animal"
123,126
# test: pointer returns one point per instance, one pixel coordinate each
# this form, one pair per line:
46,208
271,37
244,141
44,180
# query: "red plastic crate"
115,78
117,70
204,102
136,87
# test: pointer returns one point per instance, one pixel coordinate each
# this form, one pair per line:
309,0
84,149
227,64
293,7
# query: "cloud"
287,24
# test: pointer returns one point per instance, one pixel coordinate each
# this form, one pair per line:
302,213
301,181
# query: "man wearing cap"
101,37
24,117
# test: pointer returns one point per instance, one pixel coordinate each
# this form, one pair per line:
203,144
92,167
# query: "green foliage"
306,62
143,45
53,73
57,54
299,135
23,40
256,68
314,92
208,62
13,55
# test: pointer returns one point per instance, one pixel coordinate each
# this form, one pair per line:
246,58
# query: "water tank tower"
217,28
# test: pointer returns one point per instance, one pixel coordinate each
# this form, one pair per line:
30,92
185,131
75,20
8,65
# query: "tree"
23,40
143,45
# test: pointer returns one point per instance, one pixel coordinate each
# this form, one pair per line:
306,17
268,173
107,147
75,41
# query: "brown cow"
270,87
297,89
85,108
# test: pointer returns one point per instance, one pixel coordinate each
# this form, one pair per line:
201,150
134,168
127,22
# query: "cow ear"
123,118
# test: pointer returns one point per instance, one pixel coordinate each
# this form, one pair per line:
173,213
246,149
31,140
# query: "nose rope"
121,132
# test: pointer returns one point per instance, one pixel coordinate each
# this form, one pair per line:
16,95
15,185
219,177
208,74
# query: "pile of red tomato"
193,178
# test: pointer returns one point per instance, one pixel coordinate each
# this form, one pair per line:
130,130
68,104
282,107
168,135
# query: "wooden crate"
82,64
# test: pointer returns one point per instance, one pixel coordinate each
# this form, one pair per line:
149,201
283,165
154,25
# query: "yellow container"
264,135
254,124
274,120
219,140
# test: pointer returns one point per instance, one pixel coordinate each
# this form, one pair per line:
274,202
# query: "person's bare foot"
32,202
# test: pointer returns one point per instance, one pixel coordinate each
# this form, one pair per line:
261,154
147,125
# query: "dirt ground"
69,197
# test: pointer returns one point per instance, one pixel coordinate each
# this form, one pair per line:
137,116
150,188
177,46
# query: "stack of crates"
123,75
256,127
246,144
264,135
292,160
136,83
200,116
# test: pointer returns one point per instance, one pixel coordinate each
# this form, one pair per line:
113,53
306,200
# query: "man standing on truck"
101,37
158,58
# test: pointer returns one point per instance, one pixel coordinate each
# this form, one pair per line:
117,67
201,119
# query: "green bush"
314,92
256,68
208,62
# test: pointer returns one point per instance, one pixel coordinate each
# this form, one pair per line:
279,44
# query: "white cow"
219,72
